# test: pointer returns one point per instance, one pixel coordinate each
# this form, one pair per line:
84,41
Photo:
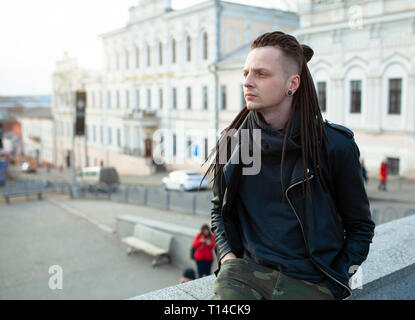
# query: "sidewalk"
35,235
398,190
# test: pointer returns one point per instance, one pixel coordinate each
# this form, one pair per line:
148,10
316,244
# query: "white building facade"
37,135
67,78
364,71
162,72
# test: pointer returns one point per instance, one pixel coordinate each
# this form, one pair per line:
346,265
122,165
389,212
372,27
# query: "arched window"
205,46
189,48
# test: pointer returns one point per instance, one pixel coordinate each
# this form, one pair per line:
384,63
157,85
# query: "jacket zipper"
305,241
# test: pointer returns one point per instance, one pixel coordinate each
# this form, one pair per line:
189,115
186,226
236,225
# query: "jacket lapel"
234,160
297,174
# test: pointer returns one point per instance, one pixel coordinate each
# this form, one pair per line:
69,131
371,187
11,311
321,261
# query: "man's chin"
252,106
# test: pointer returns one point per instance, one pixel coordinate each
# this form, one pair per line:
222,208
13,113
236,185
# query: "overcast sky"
36,33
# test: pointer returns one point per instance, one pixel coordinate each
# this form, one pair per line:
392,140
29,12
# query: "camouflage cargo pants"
240,279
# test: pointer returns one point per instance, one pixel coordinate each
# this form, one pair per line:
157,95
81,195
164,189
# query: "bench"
153,242
23,189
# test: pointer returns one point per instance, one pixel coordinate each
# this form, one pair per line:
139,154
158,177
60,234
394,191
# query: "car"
184,180
28,166
105,179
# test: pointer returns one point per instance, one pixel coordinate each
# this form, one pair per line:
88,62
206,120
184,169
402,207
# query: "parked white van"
99,179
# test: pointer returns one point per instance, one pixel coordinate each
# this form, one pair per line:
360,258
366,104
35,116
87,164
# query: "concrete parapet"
388,272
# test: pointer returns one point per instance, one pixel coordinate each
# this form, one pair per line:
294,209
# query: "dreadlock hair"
305,99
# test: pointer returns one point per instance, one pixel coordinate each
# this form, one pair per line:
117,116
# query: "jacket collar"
234,161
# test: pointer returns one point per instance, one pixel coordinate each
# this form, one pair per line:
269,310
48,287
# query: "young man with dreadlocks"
301,226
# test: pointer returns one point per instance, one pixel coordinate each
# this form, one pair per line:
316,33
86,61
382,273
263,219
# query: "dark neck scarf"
272,140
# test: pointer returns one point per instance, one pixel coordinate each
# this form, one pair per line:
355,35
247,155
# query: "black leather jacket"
337,227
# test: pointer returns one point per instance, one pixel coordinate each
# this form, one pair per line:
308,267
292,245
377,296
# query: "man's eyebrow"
256,69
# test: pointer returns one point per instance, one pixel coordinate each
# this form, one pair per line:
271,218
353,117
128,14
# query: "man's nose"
248,82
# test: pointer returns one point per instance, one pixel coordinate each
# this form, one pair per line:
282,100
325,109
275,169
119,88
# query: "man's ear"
294,83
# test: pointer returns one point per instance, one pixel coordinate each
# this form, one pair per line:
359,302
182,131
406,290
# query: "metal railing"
157,197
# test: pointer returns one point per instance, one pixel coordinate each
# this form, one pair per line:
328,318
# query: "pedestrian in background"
383,175
3,170
204,242
188,275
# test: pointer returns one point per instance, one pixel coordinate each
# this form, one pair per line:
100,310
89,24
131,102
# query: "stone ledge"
388,272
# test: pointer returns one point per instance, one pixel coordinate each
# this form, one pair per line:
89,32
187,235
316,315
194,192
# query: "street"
35,235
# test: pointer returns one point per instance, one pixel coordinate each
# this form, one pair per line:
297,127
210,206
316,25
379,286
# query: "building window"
118,99
173,51
205,97
100,99
101,134
395,96
189,147
127,137
321,91
393,166
188,48
161,98
94,133
149,98
205,46
241,90
93,100
356,96
148,56
137,98
127,99
189,97
127,60
109,136
118,137
108,99
160,53
137,58
223,97
206,149
174,144
174,98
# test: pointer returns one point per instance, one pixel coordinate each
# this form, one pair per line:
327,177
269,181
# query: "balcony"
145,117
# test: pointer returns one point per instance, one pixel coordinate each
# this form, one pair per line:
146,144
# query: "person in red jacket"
383,175
204,242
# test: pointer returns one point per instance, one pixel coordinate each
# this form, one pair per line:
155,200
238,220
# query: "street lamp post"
75,191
